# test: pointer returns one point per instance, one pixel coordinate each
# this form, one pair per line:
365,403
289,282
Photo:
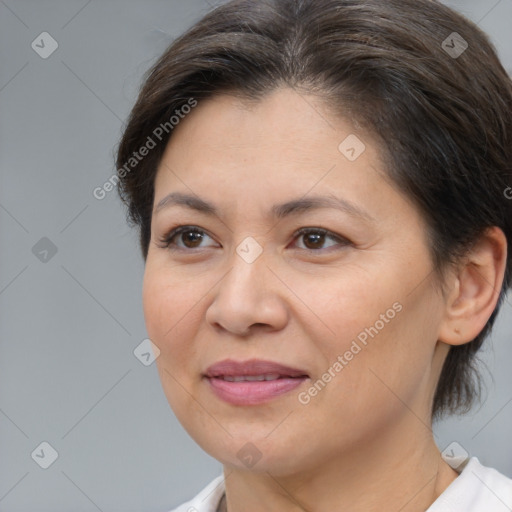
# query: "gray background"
68,328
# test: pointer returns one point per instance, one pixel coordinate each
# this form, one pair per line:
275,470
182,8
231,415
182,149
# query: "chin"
255,452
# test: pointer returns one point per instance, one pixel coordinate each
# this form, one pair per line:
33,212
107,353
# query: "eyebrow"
294,206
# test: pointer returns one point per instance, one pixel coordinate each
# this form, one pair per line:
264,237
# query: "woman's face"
349,307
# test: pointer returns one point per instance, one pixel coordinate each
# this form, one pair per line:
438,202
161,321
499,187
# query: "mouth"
252,382
250,378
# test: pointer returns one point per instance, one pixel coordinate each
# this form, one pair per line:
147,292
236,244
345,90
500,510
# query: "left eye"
314,238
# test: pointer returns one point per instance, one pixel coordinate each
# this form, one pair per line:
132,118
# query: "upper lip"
233,368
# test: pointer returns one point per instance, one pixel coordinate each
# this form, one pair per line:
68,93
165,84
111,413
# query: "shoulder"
477,488
206,500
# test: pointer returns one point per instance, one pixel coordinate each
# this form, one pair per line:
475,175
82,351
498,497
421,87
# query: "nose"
248,298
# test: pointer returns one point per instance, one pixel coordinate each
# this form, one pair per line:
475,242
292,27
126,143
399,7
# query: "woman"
320,189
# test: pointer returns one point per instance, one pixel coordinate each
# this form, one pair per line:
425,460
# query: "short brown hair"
420,77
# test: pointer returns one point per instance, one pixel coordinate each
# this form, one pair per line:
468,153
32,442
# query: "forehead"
284,146
282,118
284,131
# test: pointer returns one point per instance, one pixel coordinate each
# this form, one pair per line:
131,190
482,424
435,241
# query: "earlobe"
476,289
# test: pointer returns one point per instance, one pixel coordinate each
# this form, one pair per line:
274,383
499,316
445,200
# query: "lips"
252,367
252,382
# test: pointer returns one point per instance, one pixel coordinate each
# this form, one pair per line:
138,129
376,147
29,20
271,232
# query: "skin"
364,442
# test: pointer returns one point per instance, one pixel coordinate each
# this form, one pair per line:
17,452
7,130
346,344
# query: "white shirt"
476,489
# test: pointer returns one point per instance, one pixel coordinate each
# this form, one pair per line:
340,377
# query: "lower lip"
253,392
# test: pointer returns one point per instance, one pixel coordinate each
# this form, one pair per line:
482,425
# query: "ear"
475,290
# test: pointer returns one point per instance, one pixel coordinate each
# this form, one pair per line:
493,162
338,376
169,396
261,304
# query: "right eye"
190,236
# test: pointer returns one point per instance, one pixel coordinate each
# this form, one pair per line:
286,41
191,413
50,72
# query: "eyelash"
166,242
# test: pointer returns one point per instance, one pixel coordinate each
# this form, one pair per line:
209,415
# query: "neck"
401,470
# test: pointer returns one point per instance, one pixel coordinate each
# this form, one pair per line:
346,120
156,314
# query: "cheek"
381,330
168,306
349,305
170,318
155,301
